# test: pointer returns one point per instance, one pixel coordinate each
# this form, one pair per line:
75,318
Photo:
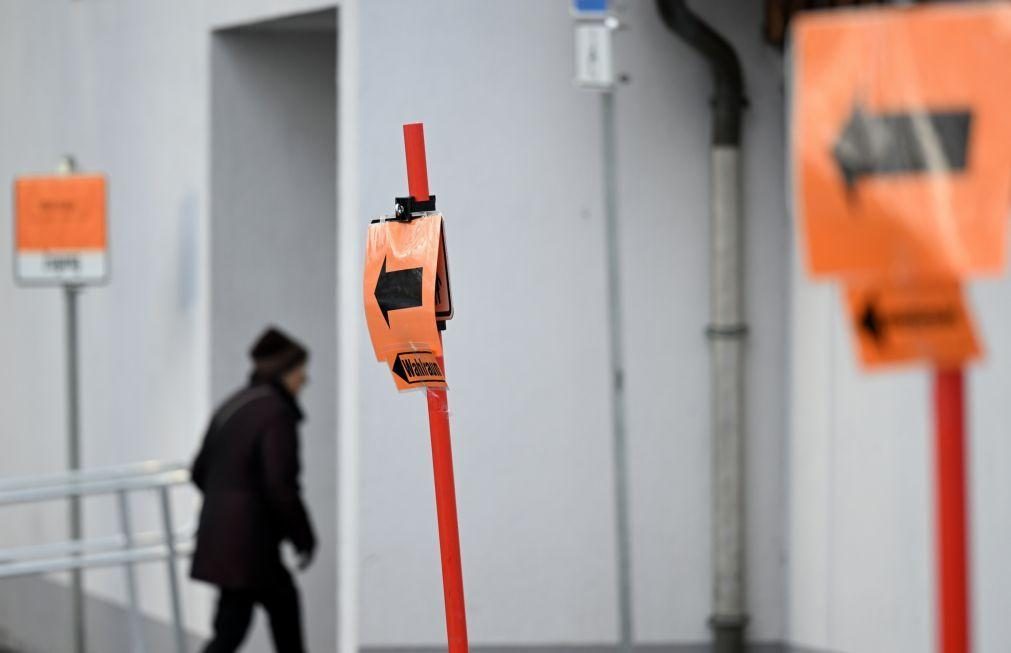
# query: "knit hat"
275,353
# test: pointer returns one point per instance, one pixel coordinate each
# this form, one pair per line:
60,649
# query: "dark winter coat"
248,470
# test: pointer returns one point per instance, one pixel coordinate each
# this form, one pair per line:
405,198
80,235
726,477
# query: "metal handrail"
125,549
145,468
156,553
79,488
93,545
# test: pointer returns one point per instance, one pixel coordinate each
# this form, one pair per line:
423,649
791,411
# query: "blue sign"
589,6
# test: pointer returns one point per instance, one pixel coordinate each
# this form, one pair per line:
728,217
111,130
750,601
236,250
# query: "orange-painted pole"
954,634
442,449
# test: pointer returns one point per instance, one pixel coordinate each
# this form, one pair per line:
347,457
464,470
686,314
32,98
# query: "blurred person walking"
248,471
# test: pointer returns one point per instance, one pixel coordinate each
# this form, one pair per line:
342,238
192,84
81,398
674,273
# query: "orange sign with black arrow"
398,290
900,126
902,324
416,369
901,167
875,145
407,295
401,260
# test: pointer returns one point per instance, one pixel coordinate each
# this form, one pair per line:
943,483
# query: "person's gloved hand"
305,558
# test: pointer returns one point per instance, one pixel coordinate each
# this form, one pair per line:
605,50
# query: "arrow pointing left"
397,290
873,320
902,143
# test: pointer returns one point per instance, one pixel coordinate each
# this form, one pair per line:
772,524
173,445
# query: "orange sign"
899,144
401,260
900,324
60,229
417,369
443,293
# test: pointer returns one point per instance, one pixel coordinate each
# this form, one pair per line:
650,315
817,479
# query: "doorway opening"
273,256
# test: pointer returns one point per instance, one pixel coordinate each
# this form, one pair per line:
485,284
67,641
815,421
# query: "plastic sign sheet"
60,232
901,324
406,286
901,120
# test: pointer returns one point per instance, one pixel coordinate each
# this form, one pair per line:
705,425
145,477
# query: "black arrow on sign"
899,143
398,289
398,369
410,371
872,321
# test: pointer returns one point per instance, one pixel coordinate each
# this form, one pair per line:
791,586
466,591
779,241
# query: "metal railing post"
170,562
136,632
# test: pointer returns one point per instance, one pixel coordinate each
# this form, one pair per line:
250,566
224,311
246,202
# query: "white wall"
514,157
860,576
125,87
121,86
990,449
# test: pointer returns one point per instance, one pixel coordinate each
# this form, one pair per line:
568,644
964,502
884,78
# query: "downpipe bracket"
727,331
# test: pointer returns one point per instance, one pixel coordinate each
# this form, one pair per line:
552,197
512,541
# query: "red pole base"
952,523
449,534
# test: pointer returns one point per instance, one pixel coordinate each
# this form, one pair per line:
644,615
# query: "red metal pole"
449,534
417,165
442,449
952,523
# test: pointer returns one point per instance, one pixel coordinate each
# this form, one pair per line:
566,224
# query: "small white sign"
594,55
62,267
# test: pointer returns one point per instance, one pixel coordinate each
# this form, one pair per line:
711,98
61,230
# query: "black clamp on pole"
409,208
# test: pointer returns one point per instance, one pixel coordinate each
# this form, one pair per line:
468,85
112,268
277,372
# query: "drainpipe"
727,329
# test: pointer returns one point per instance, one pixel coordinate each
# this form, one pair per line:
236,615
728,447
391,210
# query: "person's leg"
282,606
231,622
